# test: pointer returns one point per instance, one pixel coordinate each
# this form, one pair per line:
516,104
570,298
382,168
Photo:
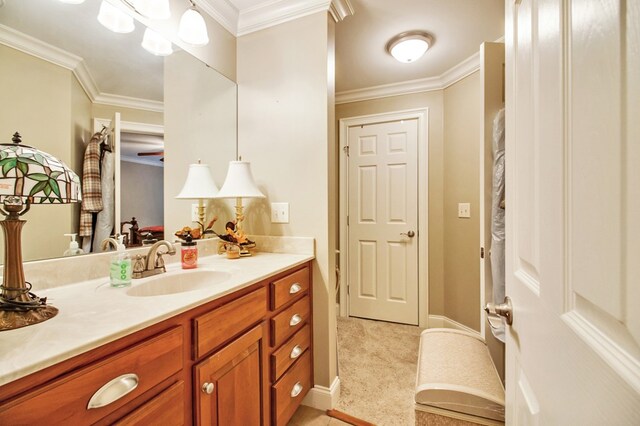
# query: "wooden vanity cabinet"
243,359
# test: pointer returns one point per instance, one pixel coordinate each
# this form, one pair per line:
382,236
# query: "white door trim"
422,115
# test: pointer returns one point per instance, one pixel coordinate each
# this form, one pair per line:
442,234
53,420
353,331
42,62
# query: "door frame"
422,116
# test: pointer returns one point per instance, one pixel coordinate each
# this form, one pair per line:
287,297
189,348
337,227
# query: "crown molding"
340,9
47,52
128,102
449,77
276,12
223,12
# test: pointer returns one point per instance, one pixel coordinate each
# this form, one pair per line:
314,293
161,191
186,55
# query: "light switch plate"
464,210
279,212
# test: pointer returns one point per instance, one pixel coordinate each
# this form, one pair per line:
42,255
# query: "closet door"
572,206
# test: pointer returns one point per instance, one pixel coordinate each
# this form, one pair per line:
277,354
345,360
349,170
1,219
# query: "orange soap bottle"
189,253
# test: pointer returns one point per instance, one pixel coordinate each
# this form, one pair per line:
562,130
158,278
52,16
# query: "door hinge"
348,289
481,252
346,149
347,220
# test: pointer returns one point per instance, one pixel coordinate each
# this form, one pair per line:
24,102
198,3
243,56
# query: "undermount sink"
181,282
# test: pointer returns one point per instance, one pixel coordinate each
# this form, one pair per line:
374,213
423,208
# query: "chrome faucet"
152,263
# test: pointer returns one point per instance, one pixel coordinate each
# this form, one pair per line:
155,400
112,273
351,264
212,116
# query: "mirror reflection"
64,77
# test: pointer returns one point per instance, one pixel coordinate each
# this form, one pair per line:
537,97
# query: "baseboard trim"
323,398
440,321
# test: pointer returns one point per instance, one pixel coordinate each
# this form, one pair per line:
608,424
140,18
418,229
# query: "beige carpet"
377,367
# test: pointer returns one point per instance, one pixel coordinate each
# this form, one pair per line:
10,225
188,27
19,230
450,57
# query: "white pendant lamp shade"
115,19
239,182
193,29
199,183
156,44
410,46
153,9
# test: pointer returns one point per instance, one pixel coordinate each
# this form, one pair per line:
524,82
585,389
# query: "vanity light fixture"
115,19
28,177
199,186
409,46
153,9
156,44
192,28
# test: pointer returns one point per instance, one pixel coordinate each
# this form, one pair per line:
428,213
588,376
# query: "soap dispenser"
120,271
73,249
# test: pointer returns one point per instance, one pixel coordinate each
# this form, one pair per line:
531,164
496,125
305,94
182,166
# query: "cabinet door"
229,383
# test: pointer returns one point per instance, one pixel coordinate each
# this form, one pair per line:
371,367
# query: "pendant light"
115,19
193,29
154,43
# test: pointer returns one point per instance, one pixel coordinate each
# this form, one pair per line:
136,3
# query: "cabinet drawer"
288,288
166,409
111,383
288,353
289,321
289,391
218,326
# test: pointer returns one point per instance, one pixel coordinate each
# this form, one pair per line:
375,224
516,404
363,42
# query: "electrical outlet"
464,210
279,212
194,213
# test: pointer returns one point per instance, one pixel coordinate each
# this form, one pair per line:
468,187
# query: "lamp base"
17,319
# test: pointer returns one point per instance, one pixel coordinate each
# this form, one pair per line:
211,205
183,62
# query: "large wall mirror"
63,76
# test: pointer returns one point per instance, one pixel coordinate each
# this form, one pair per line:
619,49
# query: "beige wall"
46,105
200,124
434,102
462,117
143,198
283,130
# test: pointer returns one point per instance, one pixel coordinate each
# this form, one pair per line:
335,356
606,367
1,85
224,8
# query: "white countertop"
92,313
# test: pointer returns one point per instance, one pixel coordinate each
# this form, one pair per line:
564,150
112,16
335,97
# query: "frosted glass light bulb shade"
199,183
115,19
71,1
239,182
192,28
410,46
154,43
153,9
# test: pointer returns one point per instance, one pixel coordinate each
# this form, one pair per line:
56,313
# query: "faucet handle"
139,262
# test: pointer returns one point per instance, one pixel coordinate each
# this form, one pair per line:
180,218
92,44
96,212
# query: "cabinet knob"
208,388
113,390
295,352
295,320
295,287
295,391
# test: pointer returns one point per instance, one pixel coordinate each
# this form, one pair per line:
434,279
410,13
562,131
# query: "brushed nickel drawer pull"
295,391
295,352
208,388
295,320
113,390
295,288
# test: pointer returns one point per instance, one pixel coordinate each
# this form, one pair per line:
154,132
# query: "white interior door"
573,212
383,221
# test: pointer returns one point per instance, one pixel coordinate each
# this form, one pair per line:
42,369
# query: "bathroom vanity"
239,352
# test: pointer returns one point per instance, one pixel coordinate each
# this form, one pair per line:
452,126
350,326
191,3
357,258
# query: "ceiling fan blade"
145,154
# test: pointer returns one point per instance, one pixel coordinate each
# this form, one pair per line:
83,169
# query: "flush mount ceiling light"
409,46
193,29
156,44
115,19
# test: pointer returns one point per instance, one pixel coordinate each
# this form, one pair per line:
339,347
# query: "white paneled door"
573,212
383,221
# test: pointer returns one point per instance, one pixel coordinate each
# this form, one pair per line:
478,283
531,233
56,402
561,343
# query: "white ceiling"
457,26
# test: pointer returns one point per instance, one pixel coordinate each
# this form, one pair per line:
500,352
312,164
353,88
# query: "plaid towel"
91,188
